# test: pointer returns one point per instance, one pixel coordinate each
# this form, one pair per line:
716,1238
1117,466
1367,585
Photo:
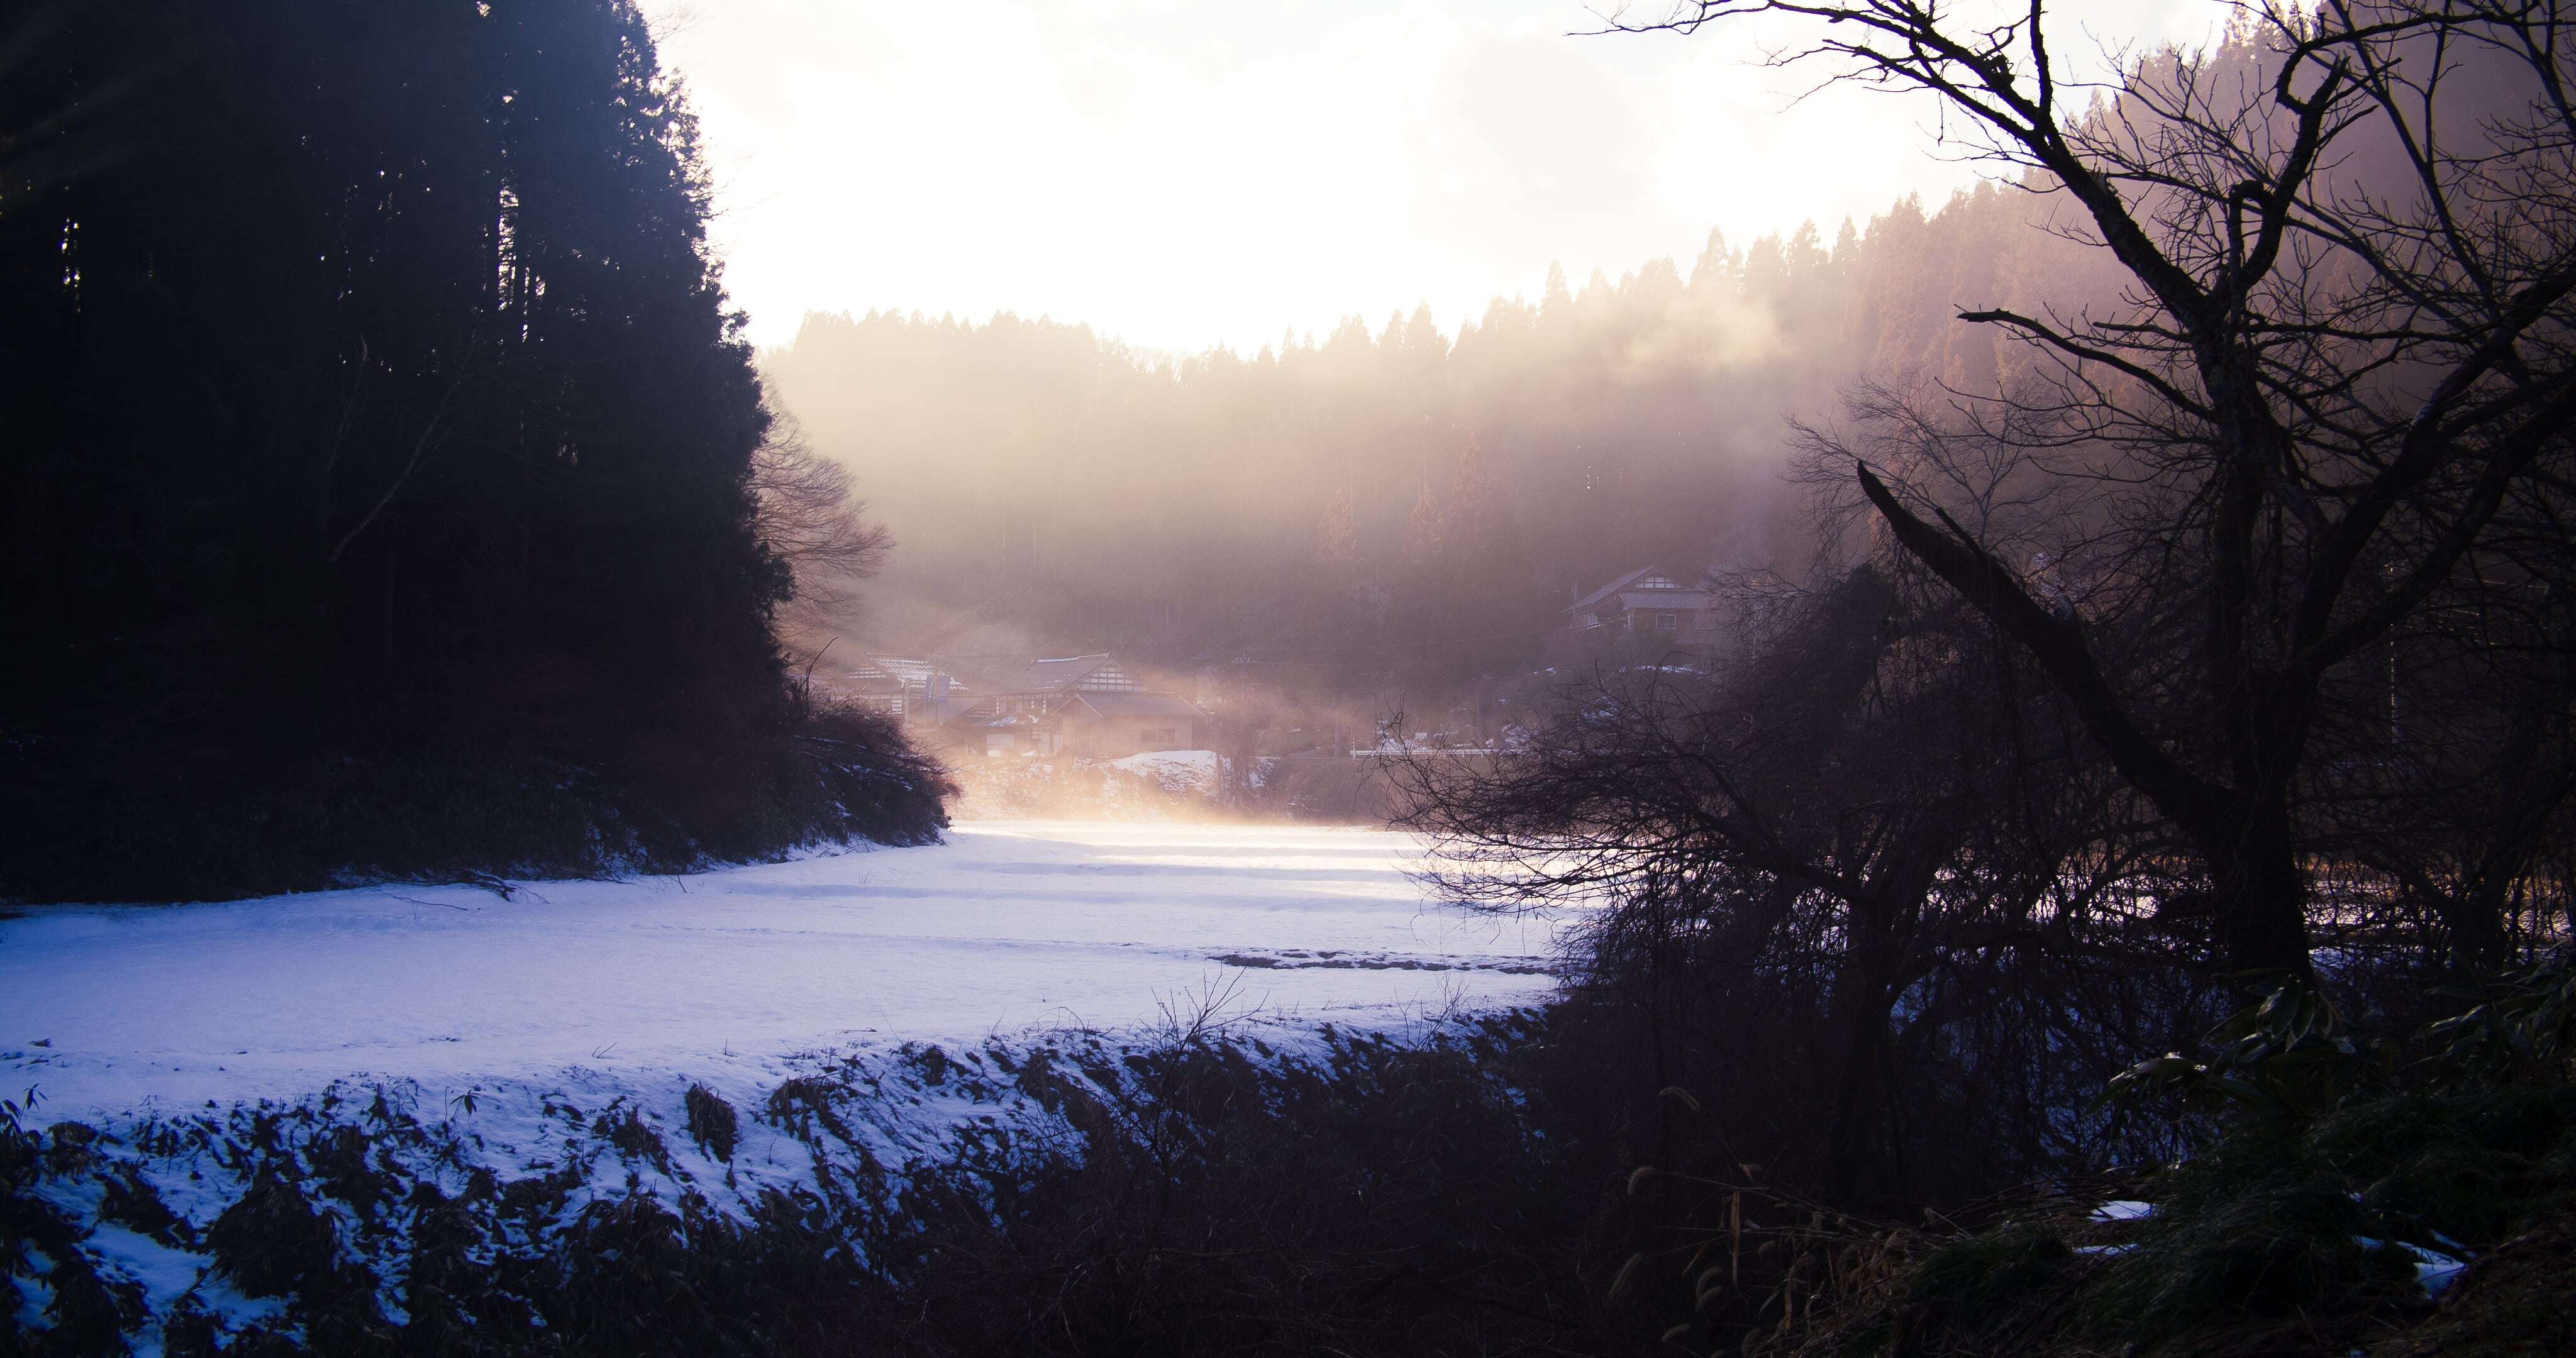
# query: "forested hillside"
381,488
1362,499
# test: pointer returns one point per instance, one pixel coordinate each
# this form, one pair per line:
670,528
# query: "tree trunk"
2259,892
1861,994
1855,1109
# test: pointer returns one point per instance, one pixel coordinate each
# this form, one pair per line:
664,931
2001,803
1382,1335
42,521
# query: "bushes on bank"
2337,1196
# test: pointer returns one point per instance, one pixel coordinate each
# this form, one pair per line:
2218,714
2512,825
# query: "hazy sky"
1181,173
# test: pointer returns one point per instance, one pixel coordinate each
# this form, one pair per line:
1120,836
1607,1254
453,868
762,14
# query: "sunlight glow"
1182,174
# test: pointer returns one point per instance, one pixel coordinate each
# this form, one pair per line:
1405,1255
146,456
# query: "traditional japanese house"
1084,704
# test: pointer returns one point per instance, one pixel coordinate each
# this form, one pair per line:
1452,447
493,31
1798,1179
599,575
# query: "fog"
1389,516
1325,355
1186,174
1376,525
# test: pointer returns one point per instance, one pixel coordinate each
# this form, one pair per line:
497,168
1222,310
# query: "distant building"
1649,603
912,689
998,705
874,688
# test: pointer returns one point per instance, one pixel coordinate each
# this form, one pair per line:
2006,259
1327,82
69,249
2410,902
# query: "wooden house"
1646,602
915,690
876,689
1084,704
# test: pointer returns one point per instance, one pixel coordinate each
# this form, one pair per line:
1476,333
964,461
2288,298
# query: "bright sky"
1181,173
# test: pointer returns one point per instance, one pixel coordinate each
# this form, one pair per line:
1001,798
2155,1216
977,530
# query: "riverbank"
876,1046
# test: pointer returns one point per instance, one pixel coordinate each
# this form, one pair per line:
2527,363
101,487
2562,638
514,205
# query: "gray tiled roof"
1658,596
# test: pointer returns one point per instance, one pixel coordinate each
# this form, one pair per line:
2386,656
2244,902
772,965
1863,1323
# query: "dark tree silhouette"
1861,836
374,398
2336,392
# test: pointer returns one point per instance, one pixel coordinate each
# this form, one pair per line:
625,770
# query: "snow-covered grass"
870,1015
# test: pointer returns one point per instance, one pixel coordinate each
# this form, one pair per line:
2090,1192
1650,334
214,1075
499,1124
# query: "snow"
729,976
2434,1270
1175,771
461,1031
166,1274
1202,763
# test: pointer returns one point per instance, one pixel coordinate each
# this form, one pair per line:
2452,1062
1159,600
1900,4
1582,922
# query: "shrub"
712,1122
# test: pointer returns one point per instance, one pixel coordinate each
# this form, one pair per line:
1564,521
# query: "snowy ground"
871,1016
725,976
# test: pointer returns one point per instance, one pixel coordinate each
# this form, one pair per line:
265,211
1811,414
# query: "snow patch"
2434,1270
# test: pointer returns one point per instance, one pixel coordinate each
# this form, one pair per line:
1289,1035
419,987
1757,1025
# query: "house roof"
912,671
1139,705
1060,672
1648,600
871,680
1644,587
1025,676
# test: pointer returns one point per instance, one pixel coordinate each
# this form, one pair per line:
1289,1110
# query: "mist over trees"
1363,499
386,476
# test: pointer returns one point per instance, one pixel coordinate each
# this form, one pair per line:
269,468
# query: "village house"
872,687
1081,705
1646,602
915,690
1087,705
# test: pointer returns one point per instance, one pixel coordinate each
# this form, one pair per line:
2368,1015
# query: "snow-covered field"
862,1018
723,976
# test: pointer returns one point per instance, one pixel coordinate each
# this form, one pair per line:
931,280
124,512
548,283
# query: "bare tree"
807,513
1870,813
2336,393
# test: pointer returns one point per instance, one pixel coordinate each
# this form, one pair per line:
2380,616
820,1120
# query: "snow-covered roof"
1019,677
871,679
912,671
1060,672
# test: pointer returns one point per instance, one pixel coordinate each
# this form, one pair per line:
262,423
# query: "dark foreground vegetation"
386,491
2325,1205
